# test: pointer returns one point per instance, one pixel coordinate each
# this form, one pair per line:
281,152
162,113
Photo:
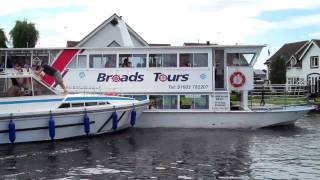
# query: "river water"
275,153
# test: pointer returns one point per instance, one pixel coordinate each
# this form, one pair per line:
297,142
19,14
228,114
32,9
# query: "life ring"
237,79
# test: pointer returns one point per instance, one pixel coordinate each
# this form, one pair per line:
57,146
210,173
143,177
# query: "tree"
3,39
278,71
24,34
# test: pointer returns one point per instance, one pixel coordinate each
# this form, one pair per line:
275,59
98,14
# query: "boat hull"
227,120
30,127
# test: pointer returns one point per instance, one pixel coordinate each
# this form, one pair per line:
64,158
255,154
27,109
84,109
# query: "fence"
277,95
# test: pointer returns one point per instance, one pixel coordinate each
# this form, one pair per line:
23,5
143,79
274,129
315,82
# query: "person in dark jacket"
46,69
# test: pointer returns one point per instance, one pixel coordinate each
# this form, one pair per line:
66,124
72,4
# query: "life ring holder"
242,79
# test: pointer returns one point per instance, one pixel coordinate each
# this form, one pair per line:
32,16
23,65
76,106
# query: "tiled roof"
317,41
259,71
72,43
287,50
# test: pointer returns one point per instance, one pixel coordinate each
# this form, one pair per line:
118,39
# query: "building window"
290,80
102,61
314,61
162,60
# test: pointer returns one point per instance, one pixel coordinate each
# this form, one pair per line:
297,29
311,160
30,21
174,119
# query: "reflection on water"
281,153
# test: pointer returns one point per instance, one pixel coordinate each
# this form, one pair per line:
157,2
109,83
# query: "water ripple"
274,153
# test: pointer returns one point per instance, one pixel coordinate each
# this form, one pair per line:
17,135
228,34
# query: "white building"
113,32
302,63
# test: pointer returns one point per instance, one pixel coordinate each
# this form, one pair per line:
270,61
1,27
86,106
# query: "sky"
269,22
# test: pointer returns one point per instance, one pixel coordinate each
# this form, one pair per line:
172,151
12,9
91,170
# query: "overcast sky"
271,22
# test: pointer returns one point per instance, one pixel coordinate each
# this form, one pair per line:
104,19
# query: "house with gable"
302,63
113,32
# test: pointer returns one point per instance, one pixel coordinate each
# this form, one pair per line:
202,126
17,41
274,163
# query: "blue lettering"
101,77
122,78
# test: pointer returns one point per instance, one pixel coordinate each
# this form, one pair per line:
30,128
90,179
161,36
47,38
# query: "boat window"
77,104
137,97
132,60
102,60
40,89
19,59
200,60
163,60
14,87
125,60
79,61
169,60
73,63
163,102
201,102
103,103
239,59
170,102
155,60
65,105
156,102
186,60
140,97
90,103
2,62
40,58
186,102
194,102
82,61
193,60
139,60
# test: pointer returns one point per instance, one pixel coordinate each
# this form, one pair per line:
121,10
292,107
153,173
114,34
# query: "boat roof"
148,47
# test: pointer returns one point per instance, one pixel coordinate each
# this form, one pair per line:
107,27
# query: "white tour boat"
188,86
38,113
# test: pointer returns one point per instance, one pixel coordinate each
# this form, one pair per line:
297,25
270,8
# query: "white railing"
277,95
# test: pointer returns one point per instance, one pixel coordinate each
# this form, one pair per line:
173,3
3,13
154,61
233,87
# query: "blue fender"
51,127
133,117
114,120
86,123
12,131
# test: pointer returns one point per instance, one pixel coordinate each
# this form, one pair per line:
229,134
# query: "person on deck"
46,69
15,89
126,63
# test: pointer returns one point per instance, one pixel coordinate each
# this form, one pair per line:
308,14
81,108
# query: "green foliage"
3,39
24,34
278,71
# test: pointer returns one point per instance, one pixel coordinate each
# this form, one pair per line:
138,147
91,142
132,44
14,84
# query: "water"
278,153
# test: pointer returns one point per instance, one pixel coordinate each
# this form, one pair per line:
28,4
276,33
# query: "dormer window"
314,61
293,62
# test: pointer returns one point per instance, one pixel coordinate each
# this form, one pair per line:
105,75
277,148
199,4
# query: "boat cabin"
173,78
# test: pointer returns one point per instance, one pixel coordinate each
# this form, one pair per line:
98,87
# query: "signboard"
221,101
240,78
140,80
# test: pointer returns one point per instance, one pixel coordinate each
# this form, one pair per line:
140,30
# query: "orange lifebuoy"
237,79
